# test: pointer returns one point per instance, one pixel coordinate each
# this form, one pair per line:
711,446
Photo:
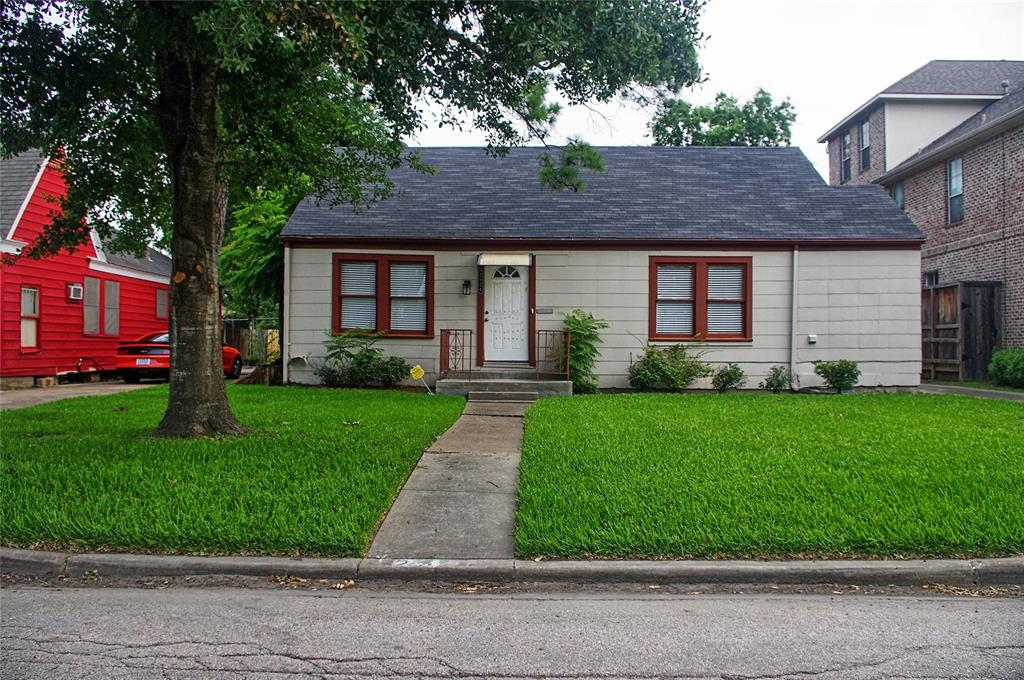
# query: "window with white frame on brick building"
897,194
865,145
844,146
955,189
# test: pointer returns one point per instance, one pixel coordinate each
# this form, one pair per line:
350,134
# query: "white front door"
505,314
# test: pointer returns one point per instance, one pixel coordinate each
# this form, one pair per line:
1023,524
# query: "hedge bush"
840,375
1007,367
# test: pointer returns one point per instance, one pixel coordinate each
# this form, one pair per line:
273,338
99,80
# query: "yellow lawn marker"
417,373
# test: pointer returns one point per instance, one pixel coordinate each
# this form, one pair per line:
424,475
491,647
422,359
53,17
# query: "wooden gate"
960,327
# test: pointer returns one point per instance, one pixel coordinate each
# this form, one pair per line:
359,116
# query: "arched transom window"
506,272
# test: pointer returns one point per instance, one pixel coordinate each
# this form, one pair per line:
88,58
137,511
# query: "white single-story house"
745,250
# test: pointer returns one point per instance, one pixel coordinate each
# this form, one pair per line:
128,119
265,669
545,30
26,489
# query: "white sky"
827,56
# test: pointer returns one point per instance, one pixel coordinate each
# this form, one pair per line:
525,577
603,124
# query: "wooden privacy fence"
960,327
257,345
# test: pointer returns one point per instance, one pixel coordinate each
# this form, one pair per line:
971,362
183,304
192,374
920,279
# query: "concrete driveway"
11,399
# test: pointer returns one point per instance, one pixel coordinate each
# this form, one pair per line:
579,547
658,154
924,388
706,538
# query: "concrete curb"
1004,571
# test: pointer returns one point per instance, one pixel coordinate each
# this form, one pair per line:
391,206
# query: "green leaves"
325,90
584,337
758,122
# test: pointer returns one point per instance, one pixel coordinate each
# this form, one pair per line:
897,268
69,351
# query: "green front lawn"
315,476
761,475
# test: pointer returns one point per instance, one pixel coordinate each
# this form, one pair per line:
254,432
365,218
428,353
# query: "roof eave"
883,97
520,242
986,131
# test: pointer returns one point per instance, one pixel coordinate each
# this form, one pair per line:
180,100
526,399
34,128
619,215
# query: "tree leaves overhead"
300,80
758,122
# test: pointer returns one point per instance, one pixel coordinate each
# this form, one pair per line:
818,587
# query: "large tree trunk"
187,110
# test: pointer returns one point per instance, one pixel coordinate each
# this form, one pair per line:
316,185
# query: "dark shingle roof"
959,78
16,177
645,193
154,262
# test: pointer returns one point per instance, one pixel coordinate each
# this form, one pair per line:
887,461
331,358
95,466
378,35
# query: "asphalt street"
268,633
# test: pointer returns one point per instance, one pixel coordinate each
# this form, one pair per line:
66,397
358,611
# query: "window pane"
29,302
161,304
91,306
956,177
29,332
409,314
865,134
956,208
725,282
358,278
358,313
897,194
674,318
725,317
112,308
675,281
408,279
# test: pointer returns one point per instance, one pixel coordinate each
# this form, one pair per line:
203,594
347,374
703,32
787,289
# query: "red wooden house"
66,314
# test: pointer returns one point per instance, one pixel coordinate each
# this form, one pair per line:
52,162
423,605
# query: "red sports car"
150,357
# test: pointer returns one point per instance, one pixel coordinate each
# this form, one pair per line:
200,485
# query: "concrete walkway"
460,500
10,399
1006,395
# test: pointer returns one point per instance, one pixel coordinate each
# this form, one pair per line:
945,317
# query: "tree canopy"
159,109
758,122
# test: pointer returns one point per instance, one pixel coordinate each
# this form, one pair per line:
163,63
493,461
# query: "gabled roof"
974,77
1001,114
944,79
646,193
154,262
17,177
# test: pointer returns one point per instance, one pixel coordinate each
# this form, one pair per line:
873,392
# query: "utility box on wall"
961,326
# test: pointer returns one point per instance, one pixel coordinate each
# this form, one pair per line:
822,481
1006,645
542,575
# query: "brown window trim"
700,294
383,293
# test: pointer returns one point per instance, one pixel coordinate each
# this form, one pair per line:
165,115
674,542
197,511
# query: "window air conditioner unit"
75,291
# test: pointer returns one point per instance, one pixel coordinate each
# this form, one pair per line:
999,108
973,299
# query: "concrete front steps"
500,383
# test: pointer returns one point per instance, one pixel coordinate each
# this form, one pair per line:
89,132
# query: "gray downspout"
793,313
285,338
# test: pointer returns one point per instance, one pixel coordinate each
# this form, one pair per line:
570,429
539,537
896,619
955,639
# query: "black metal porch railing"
553,353
456,351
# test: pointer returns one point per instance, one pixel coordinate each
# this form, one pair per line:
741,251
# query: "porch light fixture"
467,287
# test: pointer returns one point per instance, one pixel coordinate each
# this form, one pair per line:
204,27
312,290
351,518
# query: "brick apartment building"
947,142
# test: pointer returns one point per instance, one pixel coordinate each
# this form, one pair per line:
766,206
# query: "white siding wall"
862,305
912,125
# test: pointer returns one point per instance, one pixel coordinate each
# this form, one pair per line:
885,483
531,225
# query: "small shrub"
672,367
840,375
1007,367
728,377
779,379
354,360
584,337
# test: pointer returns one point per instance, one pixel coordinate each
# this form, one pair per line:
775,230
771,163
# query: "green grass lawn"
315,476
761,475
